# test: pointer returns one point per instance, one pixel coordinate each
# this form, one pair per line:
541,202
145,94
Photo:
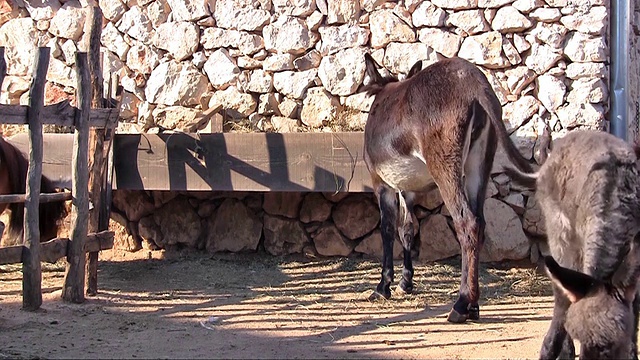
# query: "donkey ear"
574,284
415,69
372,70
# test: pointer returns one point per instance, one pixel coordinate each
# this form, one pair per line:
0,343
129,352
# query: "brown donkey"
437,127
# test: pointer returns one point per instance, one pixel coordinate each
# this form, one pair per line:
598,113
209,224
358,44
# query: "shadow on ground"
256,306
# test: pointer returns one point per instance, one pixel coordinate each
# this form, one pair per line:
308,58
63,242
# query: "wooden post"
96,144
31,270
73,289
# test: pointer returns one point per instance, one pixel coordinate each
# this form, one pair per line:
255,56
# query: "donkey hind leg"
448,177
477,169
388,202
557,344
406,234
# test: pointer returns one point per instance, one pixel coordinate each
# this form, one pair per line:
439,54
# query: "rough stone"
233,228
68,22
318,107
343,72
135,204
593,21
551,91
179,223
239,105
437,240
371,245
240,15
294,83
294,7
519,112
387,27
20,39
221,69
585,114
591,90
505,239
533,221
429,200
356,216
470,21
136,24
283,236
542,58
283,203
190,10
180,39
173,83
330,242
288,35
142,58
400,57
509,19
427,14
315,208
336,38
484,49
342,11
581,47
442,41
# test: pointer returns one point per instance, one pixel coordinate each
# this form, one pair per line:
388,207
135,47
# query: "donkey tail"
525,179
491,105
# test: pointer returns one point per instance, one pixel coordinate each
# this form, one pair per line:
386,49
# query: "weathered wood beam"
44,198
320,162
31,270
73,290
62,114
55,249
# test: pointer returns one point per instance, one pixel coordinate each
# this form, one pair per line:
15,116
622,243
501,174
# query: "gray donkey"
589,193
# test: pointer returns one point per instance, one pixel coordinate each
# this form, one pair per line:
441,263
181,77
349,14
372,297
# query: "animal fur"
589,193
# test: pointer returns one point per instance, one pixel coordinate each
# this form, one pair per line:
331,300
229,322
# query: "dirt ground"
193,305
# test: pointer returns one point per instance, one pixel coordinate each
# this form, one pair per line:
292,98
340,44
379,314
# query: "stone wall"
296,65
311,223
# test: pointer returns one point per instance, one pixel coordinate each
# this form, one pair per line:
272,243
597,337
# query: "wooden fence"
81,118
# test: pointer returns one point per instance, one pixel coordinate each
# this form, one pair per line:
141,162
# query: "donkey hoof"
400,291
457,318
375,296
404,288
474,313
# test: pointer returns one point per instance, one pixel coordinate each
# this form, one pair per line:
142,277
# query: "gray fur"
589,193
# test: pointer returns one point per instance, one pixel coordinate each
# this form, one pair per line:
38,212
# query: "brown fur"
589,193
443,121
13,175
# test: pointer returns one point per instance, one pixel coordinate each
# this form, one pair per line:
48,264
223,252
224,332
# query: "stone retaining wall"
311,223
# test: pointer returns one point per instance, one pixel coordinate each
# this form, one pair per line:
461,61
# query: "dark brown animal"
589,194
13,175
439,127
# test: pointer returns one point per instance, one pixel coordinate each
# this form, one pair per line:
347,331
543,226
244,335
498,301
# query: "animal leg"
477,169
406,235
388,202
467,226
557,344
